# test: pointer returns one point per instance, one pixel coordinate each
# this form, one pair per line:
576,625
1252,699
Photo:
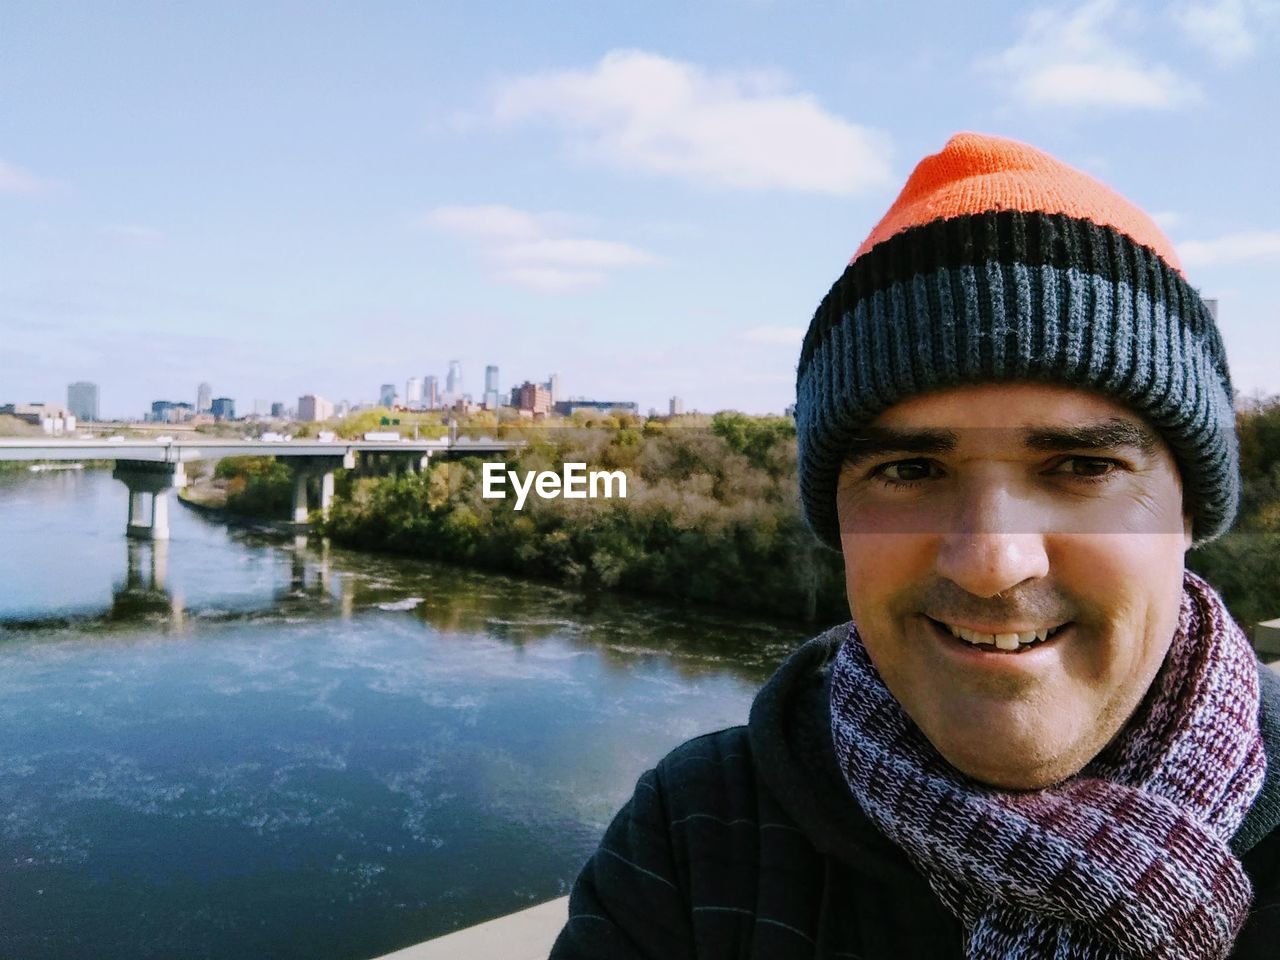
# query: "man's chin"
1012,769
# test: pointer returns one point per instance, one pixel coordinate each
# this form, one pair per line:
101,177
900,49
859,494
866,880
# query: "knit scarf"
1128,858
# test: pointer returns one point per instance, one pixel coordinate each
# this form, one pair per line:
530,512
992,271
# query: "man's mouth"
1008,642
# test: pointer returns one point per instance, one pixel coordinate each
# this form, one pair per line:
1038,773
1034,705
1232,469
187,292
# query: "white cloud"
493,222
18,181
1233,248
135,234
580,253
552,279
1227,29
532,250
646,113
1166,220
1069,57
787,336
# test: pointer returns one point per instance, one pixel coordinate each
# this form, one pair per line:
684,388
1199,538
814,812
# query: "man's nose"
994,543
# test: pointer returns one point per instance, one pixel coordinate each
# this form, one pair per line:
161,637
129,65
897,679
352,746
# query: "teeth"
1002,641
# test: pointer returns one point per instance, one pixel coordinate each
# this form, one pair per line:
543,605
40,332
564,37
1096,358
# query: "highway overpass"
150,468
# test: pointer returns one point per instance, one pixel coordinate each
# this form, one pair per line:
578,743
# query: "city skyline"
656,198
420,394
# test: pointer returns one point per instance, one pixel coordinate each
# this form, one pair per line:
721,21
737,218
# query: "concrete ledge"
524,935
1266,639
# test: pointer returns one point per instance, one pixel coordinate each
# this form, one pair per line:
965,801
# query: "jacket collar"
1264,815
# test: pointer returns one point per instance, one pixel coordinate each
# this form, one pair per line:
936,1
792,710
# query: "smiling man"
1039,735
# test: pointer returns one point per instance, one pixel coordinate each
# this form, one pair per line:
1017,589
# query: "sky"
648,199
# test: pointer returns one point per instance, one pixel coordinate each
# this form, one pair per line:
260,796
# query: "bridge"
151,468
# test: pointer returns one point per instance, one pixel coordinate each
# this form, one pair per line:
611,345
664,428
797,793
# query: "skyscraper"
204,398
491,387
387,395
453,384
82,400
312,407
413,393
553,387
676,406
431,392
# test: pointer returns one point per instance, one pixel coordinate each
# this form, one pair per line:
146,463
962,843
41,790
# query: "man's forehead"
1004,405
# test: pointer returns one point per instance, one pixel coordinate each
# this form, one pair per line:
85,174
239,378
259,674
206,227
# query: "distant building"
223,408
387,395
311,407
532,398
413,393
675,407
204,398
277,410
82,400
431,392
260,407
49,417
453,384
166,411
568,407
342,408
553,387
490,398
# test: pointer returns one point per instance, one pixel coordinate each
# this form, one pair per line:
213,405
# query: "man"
1039,736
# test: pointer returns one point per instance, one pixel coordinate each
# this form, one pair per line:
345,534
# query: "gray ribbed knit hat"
997,263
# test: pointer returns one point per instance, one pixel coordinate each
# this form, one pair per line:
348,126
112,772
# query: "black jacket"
746,843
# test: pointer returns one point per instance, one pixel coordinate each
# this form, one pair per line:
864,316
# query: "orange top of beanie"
975,173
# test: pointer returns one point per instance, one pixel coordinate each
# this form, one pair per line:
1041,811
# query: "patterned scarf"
1129,858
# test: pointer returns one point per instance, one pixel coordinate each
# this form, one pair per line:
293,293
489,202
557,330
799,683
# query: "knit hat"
998,262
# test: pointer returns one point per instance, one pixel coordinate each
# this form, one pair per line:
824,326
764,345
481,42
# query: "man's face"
1004,509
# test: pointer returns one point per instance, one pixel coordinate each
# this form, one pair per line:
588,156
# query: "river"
244,743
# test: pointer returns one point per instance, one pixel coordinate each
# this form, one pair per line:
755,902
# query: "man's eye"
1090,468
905,472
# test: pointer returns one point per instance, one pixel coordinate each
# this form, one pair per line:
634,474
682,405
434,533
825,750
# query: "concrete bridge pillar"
300,511
326,493
322,467
149,485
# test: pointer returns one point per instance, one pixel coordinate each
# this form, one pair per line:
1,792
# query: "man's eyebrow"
1102,435
877,441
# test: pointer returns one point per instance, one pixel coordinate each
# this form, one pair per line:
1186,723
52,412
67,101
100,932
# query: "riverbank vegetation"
254,486
711,514
1244,564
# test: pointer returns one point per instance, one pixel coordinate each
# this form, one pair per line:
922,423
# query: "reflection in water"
282,748
144,594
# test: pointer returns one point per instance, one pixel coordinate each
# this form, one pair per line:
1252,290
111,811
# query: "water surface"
242,743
